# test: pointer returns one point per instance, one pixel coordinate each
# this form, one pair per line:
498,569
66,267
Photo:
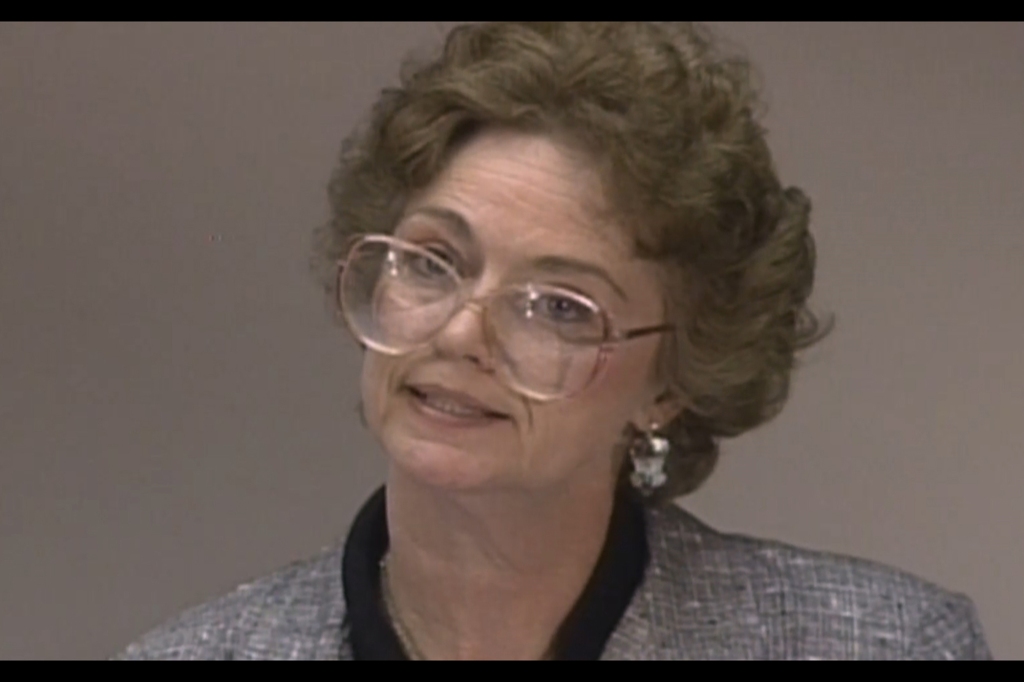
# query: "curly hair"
672,125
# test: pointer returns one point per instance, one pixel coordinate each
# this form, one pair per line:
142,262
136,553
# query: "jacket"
705,595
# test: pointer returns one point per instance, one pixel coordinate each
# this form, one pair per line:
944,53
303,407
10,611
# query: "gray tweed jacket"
706,595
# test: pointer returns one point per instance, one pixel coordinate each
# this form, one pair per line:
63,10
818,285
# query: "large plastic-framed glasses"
549,342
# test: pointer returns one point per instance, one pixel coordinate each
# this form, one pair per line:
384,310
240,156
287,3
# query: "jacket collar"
695,601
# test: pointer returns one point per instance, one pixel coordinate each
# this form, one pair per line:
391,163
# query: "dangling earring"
648,454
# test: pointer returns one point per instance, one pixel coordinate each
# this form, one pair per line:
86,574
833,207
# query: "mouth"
451,405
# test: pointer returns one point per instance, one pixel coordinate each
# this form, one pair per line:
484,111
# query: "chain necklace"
404,637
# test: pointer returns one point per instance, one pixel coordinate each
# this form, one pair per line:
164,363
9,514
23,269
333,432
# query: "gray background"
177,410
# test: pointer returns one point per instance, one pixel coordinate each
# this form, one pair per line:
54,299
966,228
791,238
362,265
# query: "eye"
423,266
563,309
443,253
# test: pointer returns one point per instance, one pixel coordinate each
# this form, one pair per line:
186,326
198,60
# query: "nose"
464,336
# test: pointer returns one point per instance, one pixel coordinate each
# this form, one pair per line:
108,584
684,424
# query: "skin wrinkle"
517,177
550,264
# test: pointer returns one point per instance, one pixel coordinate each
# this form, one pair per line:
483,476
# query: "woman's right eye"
423,266
442,254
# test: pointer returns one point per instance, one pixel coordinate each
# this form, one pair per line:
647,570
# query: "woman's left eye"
564,309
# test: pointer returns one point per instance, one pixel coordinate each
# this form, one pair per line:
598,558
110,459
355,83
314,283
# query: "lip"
455,396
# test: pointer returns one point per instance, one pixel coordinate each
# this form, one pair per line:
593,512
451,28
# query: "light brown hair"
672,125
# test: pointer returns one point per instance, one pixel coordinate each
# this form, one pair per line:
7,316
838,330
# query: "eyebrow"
552,264
560,264
450,218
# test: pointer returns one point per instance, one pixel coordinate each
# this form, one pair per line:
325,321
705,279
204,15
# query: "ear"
665,408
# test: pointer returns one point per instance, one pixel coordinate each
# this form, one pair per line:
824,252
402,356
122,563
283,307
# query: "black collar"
582,636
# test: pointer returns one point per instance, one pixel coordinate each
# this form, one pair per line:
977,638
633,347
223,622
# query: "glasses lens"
396,296
547,338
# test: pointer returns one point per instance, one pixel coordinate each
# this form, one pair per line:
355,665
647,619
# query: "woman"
572,268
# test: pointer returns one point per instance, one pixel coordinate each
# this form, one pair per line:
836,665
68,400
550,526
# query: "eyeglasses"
550,342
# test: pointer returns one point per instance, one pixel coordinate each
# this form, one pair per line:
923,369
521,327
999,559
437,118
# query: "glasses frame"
613,335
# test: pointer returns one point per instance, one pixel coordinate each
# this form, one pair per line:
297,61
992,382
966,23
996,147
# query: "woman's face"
513,208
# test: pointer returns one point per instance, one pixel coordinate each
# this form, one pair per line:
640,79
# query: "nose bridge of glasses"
477,294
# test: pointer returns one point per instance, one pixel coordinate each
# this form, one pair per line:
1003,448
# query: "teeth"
449,407
452,408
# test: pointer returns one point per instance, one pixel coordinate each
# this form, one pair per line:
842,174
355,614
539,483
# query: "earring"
648,454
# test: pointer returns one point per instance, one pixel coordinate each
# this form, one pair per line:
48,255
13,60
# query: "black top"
582,635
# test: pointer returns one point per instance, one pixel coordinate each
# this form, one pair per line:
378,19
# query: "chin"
444,465
443,455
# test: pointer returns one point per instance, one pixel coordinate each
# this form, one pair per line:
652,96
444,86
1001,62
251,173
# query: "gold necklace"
404,637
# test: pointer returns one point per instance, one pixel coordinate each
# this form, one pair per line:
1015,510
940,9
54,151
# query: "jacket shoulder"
822,604
294,613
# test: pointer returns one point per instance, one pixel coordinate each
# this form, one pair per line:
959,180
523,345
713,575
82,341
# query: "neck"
490,575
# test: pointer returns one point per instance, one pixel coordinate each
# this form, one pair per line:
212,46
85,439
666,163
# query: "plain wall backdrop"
177,409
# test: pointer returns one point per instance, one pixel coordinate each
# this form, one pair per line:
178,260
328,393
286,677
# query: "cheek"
594,420
374,387
627,380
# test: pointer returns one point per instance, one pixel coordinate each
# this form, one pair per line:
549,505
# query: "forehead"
525,193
